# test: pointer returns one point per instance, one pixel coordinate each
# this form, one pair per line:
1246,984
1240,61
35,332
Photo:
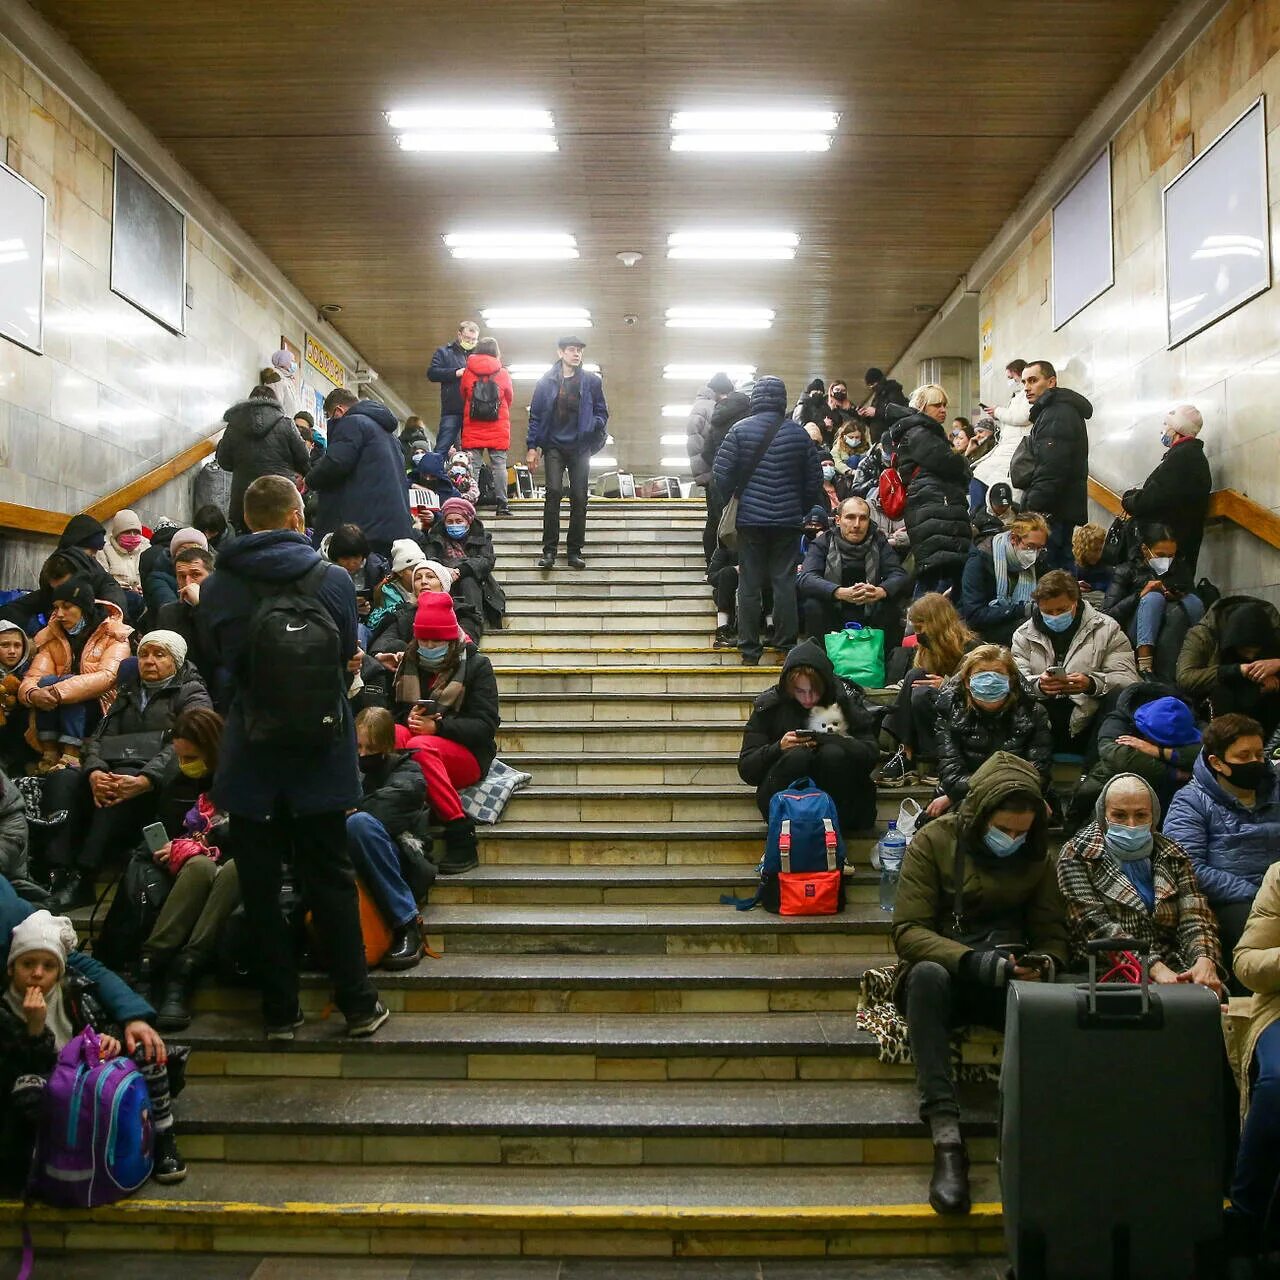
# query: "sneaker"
726,638
898,771
285,1030
169,1166
366,1026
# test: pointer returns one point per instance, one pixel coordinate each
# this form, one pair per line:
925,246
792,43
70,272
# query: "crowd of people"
1021,636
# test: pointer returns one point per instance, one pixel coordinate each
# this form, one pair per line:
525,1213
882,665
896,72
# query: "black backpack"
294,690
486,399
140,893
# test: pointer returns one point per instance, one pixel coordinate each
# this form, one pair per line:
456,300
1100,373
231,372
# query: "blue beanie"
1168,722
820,516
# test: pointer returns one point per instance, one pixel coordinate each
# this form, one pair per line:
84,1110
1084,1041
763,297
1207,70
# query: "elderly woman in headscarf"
1122,878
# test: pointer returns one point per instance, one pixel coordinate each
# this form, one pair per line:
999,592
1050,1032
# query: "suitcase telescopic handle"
1098,946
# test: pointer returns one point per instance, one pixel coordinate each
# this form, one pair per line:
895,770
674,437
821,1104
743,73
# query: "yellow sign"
988,359
319,357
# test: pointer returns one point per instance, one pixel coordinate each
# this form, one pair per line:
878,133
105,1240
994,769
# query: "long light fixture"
677,411
673,461
600,461
719,318
548,317
468,132
511,245
733,245
738,131
701,372
672,440
531,371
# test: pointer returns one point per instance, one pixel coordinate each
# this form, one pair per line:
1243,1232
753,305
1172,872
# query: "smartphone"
428,706
155,836
1057,673
807,735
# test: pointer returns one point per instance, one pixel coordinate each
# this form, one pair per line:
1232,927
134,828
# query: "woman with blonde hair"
985,709
942,640
937,480
1087,544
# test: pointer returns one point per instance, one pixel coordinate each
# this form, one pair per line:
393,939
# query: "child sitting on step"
44,1007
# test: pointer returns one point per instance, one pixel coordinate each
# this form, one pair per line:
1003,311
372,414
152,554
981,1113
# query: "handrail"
1224,504
41,520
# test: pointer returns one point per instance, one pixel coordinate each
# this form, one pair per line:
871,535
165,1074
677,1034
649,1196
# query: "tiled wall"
114,393
1114,350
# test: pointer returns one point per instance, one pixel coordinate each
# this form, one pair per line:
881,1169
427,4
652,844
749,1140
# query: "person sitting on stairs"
839,759
395,800
446,706
957,952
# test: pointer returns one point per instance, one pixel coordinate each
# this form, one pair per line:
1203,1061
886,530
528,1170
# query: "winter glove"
986,968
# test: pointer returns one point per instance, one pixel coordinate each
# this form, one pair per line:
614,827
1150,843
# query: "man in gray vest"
852,574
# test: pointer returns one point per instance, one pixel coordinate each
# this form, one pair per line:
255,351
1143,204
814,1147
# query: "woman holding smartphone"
446,709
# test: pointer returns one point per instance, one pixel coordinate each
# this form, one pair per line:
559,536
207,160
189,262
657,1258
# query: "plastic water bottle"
889,853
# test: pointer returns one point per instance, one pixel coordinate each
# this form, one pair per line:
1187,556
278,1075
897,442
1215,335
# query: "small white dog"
829,719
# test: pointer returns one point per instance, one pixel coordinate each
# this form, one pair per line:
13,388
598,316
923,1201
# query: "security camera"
629,321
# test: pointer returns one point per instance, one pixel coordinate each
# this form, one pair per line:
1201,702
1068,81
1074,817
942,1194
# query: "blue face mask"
456,530
989,686
1058,621
432,654
1128,843
76,630
1002,845
1166,439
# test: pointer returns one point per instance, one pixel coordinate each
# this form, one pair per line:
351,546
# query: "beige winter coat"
1099,649
1257,965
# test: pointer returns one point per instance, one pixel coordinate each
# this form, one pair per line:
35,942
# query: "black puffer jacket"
476,564
776,713
732,409
1129,579
1176,493
967,737
259,441
474,722
1059,445
937,480
128,716
395,792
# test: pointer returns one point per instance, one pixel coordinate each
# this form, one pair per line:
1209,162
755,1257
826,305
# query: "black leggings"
913,714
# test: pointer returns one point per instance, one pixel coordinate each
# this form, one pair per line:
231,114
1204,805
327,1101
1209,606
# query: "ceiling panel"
949,113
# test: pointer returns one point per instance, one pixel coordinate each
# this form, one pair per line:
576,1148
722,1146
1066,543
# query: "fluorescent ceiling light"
750,142
470,118
726,245
756,121
677,411
478,142
673,462
548,317
531,372
719,318
497,245
600,461
701,372
672,440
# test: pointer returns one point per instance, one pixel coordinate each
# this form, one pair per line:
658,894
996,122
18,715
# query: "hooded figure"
260,440
121,555
1237,630
1126,880
840,762
80,543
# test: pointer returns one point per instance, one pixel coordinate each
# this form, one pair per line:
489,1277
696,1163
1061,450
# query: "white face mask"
1015,385
1160,564
1024,556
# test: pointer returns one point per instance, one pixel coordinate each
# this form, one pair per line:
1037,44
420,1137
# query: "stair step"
568,708
613,768
637,735
641,587
334,1121
656,679
625,606
651,619
605,559
861,929
606,535
565,651
517,573
598,844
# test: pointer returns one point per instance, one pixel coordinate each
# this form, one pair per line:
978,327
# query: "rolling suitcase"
1111,1129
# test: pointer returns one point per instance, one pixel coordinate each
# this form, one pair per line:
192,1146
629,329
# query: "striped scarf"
1026,582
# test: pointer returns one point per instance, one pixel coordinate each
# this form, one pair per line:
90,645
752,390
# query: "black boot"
406,946
169,1165
146,975
949,1186
77,891
459,847
174,1010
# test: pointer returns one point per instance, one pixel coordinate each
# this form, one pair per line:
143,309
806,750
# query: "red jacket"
486,435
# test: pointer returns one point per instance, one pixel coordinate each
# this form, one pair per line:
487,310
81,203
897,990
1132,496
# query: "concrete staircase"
605,1060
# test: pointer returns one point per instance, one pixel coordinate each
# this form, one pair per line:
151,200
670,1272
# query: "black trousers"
316,845
724,590
911,720
555,462
819,615
1231,918
91,836
710,530
767,556
831,768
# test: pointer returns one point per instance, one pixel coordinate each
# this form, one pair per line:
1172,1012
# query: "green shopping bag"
857,653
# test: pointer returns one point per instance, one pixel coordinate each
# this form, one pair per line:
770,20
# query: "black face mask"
371,764
1248,777
922,640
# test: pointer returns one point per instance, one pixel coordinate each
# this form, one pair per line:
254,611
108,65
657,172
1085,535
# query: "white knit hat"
41,931
406,554
1185,419
442,571
169,640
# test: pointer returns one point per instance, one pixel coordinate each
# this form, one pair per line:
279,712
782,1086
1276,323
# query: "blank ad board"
1217,247
148,248
22,209
1083,265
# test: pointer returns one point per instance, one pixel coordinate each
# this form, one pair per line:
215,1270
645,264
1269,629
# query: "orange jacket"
100,659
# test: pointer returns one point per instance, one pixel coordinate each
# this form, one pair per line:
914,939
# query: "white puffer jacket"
1015,423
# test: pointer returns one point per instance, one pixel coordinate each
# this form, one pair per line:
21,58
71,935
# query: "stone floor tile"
314,1267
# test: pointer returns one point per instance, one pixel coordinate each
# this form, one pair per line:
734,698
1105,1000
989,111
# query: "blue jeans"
977,495
1149,618
1258,1163
67,723
377,862
449,430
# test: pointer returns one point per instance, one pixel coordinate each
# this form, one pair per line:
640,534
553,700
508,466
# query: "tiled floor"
90,1266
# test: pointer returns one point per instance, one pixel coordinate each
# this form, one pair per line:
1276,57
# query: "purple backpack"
95,1141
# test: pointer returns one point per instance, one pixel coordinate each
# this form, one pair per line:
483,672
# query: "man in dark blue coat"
771,464
568,422
361,478
447,365
288,804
